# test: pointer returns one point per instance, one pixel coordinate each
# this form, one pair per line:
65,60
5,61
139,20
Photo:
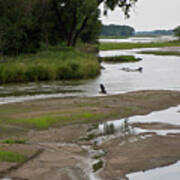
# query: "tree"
92,30
25,24
177,32
73,15
19,28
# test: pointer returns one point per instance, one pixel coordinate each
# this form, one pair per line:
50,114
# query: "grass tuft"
14,141
11,157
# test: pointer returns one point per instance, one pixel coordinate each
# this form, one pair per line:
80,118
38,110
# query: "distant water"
140,39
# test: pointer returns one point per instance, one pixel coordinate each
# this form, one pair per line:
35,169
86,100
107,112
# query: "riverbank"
54,63
62,130
114,46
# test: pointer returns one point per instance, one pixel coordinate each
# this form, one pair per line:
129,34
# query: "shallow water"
125,127
169,116
159,72
163,173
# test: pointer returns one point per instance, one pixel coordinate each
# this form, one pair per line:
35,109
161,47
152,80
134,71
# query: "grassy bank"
55,63
120,59
162,53
113,46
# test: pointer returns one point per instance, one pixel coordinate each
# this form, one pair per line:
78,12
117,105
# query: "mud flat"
69,147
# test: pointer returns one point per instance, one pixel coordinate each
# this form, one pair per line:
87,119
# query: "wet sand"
69,155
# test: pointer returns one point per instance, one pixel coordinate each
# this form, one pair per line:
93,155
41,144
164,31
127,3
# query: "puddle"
163,173
168,116
125,127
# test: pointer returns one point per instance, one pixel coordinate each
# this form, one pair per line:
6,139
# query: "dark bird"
103,89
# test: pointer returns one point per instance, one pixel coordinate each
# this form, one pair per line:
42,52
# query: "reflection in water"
122,128
129,126
163,173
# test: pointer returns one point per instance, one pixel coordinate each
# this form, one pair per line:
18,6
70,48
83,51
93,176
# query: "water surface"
140,39
163,173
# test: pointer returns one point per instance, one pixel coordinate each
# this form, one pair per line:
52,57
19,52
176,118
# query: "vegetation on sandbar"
13,141
6,156
162,53
120,59
113,46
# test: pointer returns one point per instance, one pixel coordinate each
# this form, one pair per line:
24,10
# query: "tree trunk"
73,29
79,31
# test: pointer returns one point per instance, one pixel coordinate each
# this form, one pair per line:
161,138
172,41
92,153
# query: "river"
159,72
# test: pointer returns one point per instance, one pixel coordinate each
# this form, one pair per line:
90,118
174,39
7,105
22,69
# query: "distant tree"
177,32
116,30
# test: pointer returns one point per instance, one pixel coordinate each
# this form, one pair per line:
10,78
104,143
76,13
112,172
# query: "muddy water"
164,173
159,72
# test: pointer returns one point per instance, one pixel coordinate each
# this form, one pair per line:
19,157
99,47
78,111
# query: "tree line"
26,24
117,30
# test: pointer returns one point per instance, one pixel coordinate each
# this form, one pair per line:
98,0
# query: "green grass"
162,53
11,157
14,141
120,59
113,46
56,119
56,63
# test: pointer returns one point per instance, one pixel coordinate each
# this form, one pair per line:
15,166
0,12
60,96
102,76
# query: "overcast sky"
149,15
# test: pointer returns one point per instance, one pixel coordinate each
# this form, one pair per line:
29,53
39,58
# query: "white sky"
148,15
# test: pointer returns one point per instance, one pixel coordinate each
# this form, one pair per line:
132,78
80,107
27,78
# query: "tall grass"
53,64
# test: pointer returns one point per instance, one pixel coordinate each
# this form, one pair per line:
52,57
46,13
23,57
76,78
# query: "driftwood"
127,69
